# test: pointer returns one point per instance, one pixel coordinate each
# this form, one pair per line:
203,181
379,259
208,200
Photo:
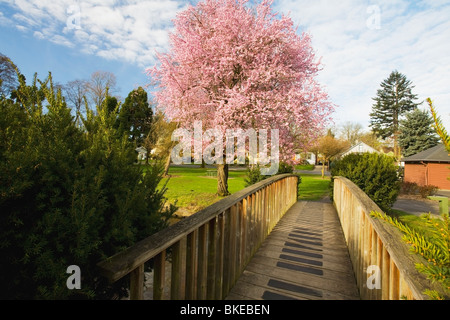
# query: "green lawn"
415,222
192,189
313,187
309,167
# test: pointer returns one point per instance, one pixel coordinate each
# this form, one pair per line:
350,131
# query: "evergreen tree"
417,133
393,100
68,195
135,117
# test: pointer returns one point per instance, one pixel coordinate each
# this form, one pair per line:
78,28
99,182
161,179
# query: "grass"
413,221
313,187
308,167
192,189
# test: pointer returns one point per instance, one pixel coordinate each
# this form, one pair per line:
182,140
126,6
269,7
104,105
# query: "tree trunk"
222,180
167,166
323,169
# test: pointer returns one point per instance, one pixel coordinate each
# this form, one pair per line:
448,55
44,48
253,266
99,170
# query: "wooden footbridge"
261,243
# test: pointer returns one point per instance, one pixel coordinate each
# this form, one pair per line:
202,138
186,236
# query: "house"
429,167
360,147
310,157
142,153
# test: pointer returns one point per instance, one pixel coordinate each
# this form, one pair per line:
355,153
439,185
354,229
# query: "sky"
359,42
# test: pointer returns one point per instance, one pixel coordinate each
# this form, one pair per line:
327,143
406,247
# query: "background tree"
100,85
329,147
394,99
351,132
417,133
231,66
371,140
8,76
135,116
160,138
75,93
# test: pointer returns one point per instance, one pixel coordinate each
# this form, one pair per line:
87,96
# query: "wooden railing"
383,265
206,252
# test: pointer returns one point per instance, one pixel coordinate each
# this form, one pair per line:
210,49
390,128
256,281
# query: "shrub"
409,188
253,175
375,174
428,190
69,195
285,168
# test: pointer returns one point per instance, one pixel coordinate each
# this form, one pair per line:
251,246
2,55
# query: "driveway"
418,206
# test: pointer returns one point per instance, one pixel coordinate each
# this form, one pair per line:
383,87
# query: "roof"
360,144
435,154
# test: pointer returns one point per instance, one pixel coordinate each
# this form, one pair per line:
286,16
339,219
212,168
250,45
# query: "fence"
206,252
384,267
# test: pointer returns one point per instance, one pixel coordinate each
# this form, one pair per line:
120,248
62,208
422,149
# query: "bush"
429,190
285,168
413,188
69,195
375,174
409,188
253,175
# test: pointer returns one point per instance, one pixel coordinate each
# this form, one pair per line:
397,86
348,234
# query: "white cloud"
115,30
413,38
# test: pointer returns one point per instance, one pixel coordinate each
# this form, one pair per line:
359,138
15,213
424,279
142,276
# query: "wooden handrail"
208,250
372,242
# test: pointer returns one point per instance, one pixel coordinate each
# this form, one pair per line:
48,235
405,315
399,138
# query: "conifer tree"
417,133
135,117
69,195
393,100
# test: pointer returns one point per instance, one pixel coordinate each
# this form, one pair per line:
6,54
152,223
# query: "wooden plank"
178,274
301,268
202,271
159,275
137,283
191,266
212,258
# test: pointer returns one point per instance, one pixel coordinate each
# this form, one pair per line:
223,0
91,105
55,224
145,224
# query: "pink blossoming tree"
235,66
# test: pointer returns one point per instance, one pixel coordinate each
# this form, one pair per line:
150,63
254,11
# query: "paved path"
305,257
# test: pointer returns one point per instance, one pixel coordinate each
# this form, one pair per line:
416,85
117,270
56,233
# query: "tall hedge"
69,195
375,174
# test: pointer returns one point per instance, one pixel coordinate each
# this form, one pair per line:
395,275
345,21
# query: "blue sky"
360,43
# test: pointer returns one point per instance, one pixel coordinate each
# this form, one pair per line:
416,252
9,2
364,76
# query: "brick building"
429,167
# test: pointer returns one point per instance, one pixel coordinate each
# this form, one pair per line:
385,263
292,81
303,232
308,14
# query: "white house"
308,156
360,147
142,153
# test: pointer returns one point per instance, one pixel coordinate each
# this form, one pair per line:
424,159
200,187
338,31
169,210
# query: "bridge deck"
305,257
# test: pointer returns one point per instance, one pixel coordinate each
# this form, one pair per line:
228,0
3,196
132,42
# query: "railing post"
212,257
177,291
159,275
202,263
137,283
191,266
